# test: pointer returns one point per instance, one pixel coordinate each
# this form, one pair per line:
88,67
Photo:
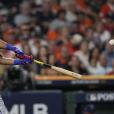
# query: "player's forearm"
19,54
3,44
10,47
8,61
7,46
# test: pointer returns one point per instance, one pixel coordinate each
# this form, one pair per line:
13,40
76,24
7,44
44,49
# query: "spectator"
94,60
35,27
64,41
52,35
35,46
59,21
62,61
52,60
107,10
102,66
112,71
24,15
75,66
101,34
24,31
27,50
10,35
83,54
45,15
70,12
109,54
89,35
42,56
13,11
55,6
52,48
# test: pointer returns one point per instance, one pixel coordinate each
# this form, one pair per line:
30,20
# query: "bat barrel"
67,72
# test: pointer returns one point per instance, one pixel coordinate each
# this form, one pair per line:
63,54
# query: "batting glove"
25,57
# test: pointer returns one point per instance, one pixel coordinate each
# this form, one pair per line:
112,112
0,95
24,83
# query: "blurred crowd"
72,34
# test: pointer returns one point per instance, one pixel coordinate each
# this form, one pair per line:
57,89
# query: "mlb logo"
91,97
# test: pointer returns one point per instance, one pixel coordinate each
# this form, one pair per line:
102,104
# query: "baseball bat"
58,69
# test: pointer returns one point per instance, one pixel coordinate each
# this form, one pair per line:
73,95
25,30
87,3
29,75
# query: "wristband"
18,62
10,47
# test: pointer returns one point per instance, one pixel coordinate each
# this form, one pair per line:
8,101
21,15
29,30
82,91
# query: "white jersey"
3,109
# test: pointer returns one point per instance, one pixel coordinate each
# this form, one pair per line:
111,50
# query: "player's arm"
19,53
10,47
9,61
6,61
3,44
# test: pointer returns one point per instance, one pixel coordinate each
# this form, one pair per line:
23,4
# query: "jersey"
3,109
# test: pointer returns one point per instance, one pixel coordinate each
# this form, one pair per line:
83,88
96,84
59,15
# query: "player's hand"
26,58
22,61
18,52
19,56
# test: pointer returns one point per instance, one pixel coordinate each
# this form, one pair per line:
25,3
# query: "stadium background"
72,34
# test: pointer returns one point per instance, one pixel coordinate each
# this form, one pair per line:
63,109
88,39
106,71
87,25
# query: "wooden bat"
61,70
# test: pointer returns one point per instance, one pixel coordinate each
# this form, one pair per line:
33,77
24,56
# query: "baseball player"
21,59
